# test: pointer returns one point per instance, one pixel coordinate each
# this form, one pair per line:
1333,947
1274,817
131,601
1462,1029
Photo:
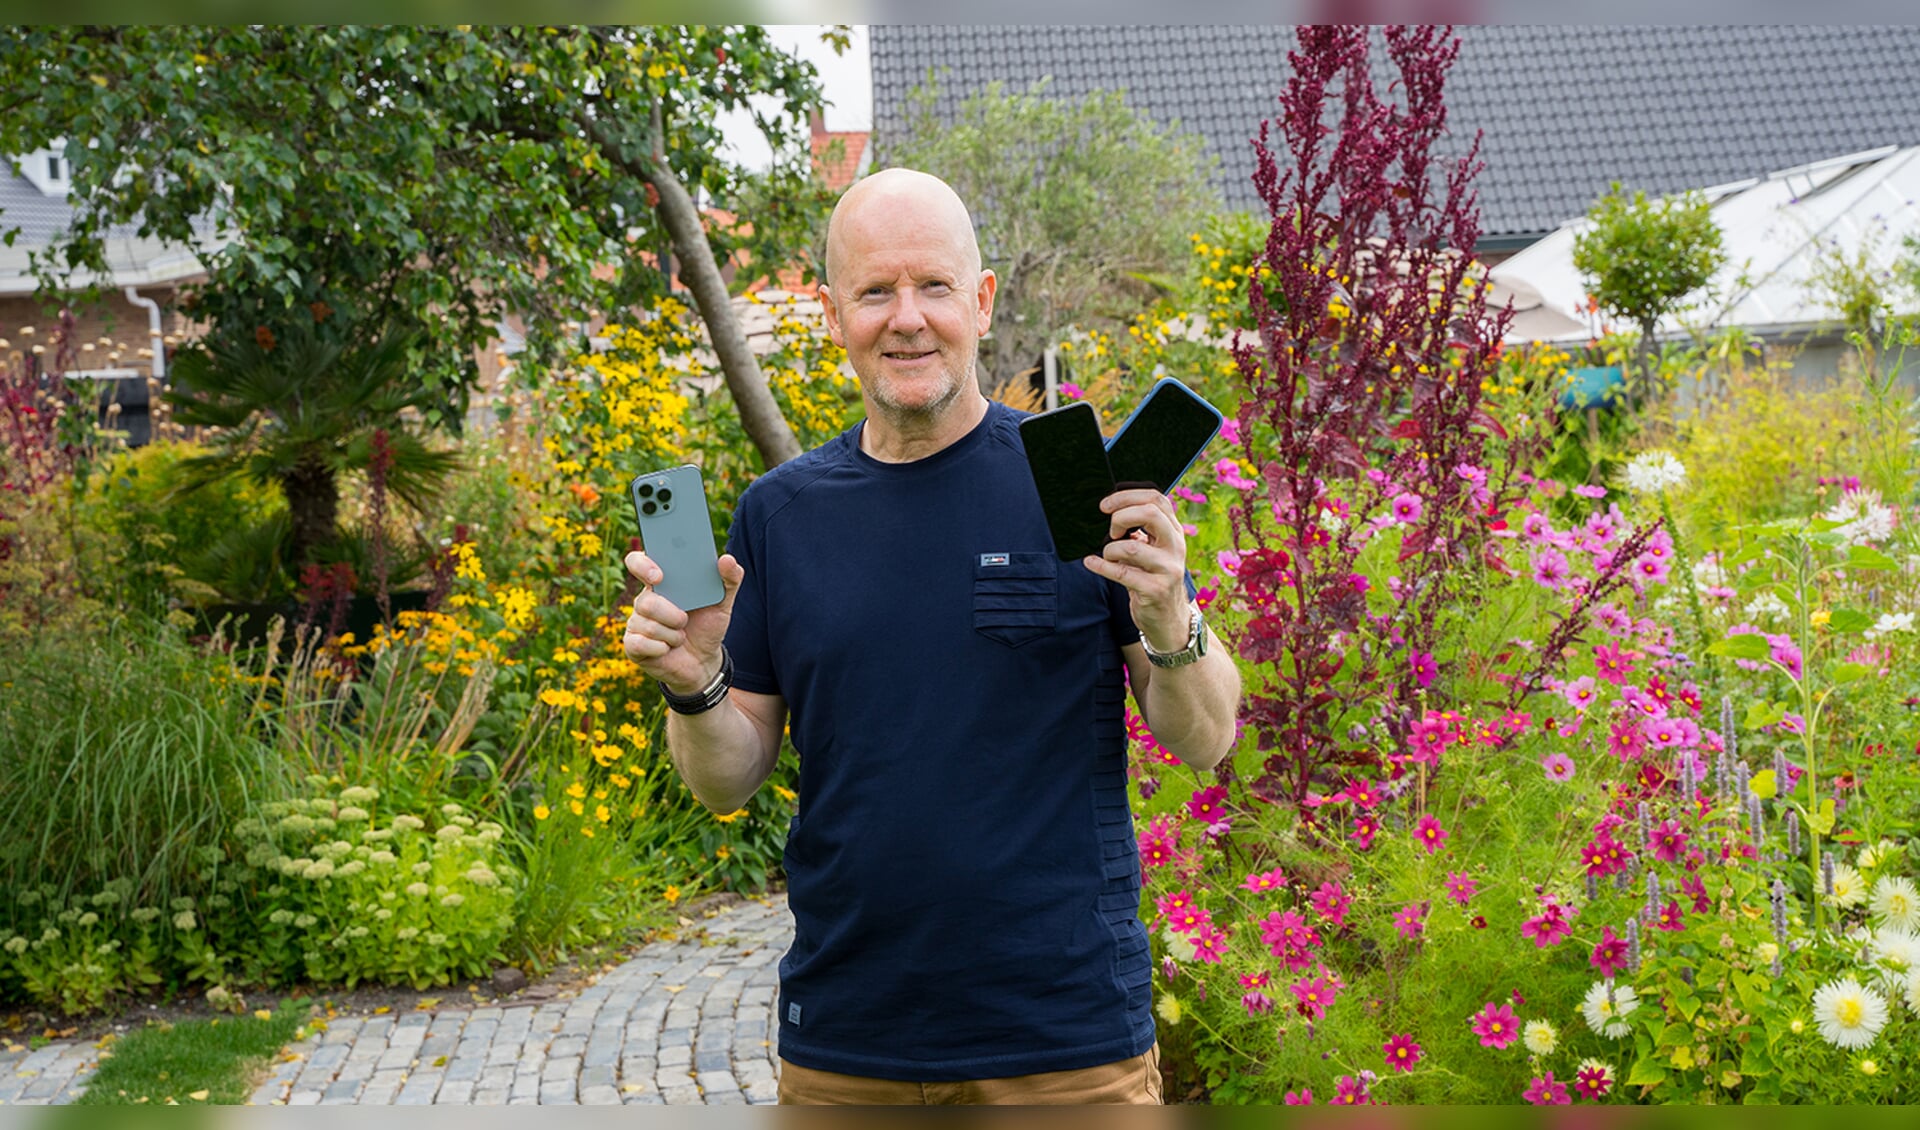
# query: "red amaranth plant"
1363,383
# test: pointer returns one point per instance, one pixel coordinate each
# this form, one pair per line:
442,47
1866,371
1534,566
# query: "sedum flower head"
1849,1015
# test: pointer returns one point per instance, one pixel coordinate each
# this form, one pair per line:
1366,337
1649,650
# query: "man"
962,871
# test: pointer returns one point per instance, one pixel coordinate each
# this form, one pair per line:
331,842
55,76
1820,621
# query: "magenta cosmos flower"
1402,1053
1331,901
1559,766
1546,1092
1410,920
1610,955
1496,1025
1462,887
1430,834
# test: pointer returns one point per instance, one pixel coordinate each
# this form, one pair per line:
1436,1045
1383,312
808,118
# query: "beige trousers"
1134,1081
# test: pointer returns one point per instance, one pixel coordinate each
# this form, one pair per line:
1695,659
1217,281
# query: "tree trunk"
759,414
313,507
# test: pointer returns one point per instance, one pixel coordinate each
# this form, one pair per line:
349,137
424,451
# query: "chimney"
817,123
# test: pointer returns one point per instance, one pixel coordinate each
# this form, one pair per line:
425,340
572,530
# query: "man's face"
909,305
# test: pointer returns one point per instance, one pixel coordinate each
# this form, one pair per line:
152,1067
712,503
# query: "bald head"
896,198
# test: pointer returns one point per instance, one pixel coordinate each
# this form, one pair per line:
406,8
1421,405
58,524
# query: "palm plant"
300,409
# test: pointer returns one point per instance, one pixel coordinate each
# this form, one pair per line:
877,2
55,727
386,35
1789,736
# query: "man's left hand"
1151,562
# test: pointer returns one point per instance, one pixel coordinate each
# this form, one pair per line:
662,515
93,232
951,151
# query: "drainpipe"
153,329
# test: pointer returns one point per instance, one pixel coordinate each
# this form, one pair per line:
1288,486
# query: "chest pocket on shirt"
1015,596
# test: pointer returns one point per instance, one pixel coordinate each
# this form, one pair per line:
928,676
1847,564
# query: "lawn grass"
195,1061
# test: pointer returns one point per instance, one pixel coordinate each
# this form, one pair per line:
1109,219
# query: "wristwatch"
710,696
1196,645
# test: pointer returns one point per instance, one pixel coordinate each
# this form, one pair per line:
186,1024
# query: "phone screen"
1163,437
1069,463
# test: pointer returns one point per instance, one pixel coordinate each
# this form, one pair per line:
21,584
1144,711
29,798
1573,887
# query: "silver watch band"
1195,648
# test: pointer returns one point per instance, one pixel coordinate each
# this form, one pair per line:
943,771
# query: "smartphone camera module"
648,507
645,491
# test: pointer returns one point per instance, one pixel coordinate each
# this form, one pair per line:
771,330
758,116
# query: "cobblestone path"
687,1022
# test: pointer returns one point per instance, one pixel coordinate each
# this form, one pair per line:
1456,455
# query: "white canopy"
1776,230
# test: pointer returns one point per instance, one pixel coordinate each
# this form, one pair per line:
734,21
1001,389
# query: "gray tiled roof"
1565,109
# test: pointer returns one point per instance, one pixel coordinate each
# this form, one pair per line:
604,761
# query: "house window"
56,169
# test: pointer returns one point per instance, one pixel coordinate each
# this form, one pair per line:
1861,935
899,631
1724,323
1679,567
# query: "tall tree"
427,179
1078,202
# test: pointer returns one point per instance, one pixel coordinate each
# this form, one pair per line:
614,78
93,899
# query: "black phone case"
1068,459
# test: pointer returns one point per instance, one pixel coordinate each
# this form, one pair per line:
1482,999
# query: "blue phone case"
1171,386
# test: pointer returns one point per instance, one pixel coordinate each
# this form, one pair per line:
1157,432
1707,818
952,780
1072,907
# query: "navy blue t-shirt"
962,870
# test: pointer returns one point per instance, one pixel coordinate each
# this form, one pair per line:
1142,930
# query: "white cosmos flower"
1608,1017
1863,519
1889,623
1849,889
1766,604
1654,471
1895,903
1849,1014
1540,1037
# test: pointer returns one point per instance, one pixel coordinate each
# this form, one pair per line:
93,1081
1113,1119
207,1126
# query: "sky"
846,78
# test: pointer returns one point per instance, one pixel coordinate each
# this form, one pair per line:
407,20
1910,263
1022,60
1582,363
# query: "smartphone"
676,532
1068,459
1163,438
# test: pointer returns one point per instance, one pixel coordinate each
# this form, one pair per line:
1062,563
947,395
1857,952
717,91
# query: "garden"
1579,758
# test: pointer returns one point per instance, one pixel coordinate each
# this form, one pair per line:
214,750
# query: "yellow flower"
516,607
541,812
577,790
730,817
671,894
578,808
785,793
559,698
601,814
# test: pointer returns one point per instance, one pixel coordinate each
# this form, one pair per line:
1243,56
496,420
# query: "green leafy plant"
1642,259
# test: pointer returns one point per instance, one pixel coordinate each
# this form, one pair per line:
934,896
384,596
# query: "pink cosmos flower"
1424,668
1550,569
1614,663
1256,1003
1169,905
1254,980
1603,855
1227,473
1230,431
1362,793
1428,832
1364,829
1410,920
1205,804
1401,1052
1536,527
1313,996
1786,653
1407,509
1546,1092
1516,722
1188,919
1462,887
1579,693
1426,738
1071,391
1549,928
1286,929
1209,945
1671,918
1669,841
1593,1082
1650,570
1626,740
1642,703
1186,494
1610,955
1585,491
1559,767
1265,881
1228,561
1332,902
1156,848
1613,619
1301,1097
1350,1091
1600,528
1496,1026
1662,734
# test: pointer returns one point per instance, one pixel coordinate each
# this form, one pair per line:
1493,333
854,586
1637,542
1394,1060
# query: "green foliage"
1081,205
1641,259
125,755
160,540
503,167
194,1061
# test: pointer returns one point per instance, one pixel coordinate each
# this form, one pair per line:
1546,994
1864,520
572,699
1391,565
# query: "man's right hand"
681,649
